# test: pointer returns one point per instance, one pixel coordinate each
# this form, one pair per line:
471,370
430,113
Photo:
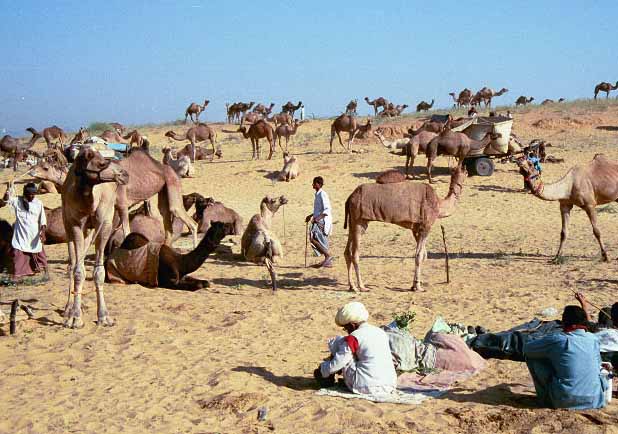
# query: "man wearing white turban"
363,357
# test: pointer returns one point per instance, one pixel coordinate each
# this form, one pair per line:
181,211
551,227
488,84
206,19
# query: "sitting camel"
182,165
198,133
258,243
290,169
410,205
259,130
455,144
200,153
139,260
522,100
586,186
345,123
207,210
80,137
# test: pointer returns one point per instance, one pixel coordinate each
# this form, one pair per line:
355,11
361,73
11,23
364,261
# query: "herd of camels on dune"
99,195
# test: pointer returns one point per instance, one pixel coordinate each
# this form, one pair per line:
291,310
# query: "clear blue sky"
71,63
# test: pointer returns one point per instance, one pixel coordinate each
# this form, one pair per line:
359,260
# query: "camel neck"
193,260
448,205
558,190
267,216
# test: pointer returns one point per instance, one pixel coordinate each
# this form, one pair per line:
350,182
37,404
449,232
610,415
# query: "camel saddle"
139,265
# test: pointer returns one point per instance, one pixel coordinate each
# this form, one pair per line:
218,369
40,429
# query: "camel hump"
390,177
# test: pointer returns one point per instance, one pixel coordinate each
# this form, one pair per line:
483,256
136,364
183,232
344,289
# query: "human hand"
581,298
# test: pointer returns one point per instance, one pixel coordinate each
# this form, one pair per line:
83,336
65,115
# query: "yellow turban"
353,312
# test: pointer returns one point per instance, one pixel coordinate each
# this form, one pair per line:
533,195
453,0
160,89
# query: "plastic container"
608,393
548,312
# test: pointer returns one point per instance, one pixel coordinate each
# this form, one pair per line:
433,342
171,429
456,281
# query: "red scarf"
570,328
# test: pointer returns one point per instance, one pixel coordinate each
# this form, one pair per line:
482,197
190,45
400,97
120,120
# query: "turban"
353,312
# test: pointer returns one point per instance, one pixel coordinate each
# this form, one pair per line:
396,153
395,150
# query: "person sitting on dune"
363,356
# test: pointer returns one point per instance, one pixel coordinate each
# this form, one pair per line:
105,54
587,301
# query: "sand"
204,362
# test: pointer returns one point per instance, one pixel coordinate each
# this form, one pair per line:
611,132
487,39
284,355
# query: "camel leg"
411,153
254,149
104,233
171,206
188,284
418,260
340,141
192,151
592,215
565,212
429,166
272,145
351,139
73,318
352,257
72,262
332,137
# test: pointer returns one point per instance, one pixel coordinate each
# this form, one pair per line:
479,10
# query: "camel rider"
363,356
28,232
322,225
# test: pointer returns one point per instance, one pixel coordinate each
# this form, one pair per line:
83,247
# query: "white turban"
353,312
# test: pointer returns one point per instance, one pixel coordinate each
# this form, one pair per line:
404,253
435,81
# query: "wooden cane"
448,276
306,241
13,316
593,305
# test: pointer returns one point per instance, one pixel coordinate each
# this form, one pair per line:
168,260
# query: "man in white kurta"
28,231
322,225
363,357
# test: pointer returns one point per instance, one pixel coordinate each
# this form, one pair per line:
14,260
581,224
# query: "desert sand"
204,362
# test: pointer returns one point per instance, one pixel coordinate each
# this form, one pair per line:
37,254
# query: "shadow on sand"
287,381
285,281
500,394
607,128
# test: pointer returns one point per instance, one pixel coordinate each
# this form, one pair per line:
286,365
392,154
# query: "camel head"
206,102
91,165
170,134
201,203
561,99
273,203
49,172
458,177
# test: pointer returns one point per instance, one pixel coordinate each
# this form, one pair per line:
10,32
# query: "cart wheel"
484,166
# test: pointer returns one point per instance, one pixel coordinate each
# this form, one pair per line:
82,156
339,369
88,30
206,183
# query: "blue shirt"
566,369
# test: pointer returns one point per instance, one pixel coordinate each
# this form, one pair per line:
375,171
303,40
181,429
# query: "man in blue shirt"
565,366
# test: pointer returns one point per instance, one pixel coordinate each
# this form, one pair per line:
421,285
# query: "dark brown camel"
486,94
281,118
522,100
15,148
173,267
285,130
377,103
464,98
456,144
604,87
290,108
195,109
259,130
242,108
49,134
424,106
196,134
263,110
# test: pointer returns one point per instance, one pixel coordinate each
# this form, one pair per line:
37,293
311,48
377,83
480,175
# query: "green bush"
98,127
404,319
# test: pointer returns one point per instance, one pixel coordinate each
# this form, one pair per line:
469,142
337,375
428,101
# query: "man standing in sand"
322,224
28,232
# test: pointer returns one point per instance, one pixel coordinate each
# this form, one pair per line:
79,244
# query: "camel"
258,243
89,195
290,108
257,131
287,131
242,108
251,118
230,110
391,144
135,138
263,110
141,221
464,99
362,131
112,136
15,148
80,137
196,134
604,87
195,109
118,127
182,165
172,268
281,119
550,101
207,211
390,176
486,94
49,134
6,247
412,206
350,109
290,168
586,186
393,111
200,153
522,100
412,146
345,123
376,103
51,174
424,106
456,144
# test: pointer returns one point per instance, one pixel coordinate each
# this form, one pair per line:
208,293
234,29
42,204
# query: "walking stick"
306,241
593,305
448,277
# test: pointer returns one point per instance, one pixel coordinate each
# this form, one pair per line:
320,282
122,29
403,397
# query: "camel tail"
347,213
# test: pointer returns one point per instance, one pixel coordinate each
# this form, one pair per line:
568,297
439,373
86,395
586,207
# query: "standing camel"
259,130
411,147
49,134
486,94
281,118
393,111
345,123
586,186
456,144
15,148
410,205
290,108
522,100
285,130
376,103
263,110
195,109
464,99
258,243
81,136
604,87
424,106
89,196
198,133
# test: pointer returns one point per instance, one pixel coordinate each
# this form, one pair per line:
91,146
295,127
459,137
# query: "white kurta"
370,370
26,231
321,205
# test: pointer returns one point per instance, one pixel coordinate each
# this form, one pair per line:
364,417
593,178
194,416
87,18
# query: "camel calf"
290,168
